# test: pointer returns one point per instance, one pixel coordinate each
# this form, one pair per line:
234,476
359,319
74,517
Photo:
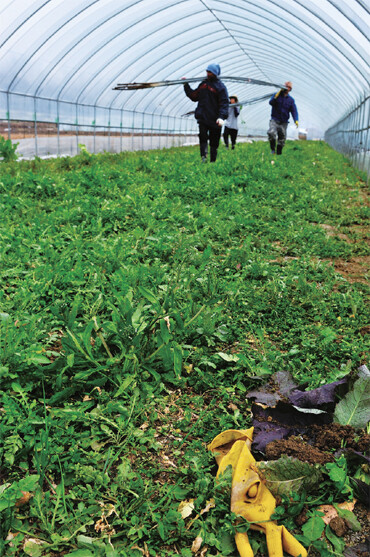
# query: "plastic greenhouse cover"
76,52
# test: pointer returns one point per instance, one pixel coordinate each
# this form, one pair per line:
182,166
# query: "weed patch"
142,296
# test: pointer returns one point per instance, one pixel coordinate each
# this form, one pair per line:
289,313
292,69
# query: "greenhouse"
60,62
184,278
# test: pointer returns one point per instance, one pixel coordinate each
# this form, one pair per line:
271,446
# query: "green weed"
142,295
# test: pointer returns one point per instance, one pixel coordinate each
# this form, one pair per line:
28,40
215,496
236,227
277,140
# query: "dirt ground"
327,439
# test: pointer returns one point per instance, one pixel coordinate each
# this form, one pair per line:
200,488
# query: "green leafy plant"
8,150
142,295
354,408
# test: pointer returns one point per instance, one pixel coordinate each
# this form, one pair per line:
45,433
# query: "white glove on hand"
220,122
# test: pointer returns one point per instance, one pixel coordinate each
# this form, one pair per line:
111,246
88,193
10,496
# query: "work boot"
279,150
272,146
204,159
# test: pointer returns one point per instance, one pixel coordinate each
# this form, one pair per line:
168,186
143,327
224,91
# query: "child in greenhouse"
231,124
212,110
282,105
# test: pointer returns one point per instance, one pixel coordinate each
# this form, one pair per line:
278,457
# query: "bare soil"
355,269
326,439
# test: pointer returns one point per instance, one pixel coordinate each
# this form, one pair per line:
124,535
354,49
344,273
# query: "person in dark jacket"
231,124
282,106
212,110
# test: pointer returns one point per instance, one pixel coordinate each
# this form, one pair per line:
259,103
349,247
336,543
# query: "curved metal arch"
46,40
338,70
141,54
353,18
125,8
325,18
308,24
160,95
228,32
101,23
354,63
116,56
231,4
363,5
20,25
279,18
239,66
158,44
313,27
318,51
335,31
80,40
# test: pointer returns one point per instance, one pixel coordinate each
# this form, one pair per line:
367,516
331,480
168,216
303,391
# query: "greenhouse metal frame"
60,61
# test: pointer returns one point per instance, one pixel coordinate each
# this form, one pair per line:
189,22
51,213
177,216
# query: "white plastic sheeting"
60,59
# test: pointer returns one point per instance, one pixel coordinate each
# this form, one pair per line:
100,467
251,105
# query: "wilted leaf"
362,491
4,316
144,551
331,512
322,396
279,386
185,508
197,544
228,357
354,408
24,499
210,505
287,475
363,371
34,547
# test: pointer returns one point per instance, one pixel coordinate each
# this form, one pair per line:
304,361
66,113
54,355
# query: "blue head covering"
214,68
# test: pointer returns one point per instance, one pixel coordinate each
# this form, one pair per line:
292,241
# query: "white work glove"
220,122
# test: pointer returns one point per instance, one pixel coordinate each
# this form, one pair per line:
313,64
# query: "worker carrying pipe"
282,106
212,110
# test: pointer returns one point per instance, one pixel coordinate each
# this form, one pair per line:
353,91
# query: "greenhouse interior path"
51,146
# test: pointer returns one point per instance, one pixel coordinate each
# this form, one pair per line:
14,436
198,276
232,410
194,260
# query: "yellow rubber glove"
296,123
278,93
250,498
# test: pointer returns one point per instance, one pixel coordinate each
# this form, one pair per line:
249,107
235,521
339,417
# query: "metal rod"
35,120
94,123
240,103
151,84
8,114
58,130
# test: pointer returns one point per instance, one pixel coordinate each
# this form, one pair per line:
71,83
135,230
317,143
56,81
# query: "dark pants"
230,132
213,135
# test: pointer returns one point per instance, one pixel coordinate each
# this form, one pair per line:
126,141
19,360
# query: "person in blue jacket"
212,110
282,106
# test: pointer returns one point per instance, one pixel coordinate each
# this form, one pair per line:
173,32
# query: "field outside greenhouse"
149,303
